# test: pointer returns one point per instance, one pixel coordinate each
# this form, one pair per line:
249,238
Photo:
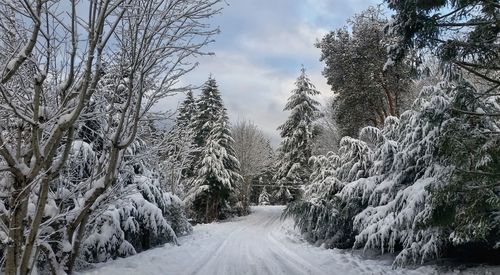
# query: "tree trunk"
42,200
19,207
76,246
390,101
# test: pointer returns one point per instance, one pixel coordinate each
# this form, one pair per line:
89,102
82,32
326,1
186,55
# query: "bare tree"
254,152
123,55
176,158
329,137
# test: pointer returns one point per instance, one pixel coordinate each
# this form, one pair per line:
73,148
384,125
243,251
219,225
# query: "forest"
403,159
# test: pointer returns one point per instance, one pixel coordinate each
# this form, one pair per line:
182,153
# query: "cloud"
293,42
334,13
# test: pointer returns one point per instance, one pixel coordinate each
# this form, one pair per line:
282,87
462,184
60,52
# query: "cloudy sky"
259,52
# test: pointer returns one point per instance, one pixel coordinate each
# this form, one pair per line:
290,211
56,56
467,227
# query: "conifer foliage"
425,184
144,217
390,190
209,108
298,134
365,93
212,197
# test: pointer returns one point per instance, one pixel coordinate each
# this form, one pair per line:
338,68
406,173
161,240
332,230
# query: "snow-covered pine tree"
212,197
232,164
207,110
298,134
209,107
322,216
264,197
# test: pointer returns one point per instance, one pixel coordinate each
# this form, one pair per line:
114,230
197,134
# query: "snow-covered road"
260,243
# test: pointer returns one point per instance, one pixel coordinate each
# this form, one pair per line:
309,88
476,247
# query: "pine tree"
408,187
365,93
211,197
298,133
264,197
208,108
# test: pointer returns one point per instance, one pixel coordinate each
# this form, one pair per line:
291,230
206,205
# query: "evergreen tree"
365,93
143,217
211,196
462,33
208,109
407,187
298,134
264,197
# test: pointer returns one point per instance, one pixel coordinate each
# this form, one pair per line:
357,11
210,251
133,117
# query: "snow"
261,243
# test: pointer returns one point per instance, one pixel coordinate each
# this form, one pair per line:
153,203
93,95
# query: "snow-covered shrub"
423,183
323,217
399,202
142,217
107,241
131,225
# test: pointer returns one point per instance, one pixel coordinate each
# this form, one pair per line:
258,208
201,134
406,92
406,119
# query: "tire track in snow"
199,269
253,249
293,258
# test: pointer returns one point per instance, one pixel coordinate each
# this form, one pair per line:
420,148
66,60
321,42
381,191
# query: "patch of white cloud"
295,41
334,11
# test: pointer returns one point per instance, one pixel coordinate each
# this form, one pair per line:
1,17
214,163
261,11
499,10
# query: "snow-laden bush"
423,183
135,223
322,216
141,215
400,204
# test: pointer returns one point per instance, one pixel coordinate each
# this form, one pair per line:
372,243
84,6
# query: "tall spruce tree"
217,167
298,134
209,107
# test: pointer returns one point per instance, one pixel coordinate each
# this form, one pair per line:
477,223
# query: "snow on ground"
260,243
